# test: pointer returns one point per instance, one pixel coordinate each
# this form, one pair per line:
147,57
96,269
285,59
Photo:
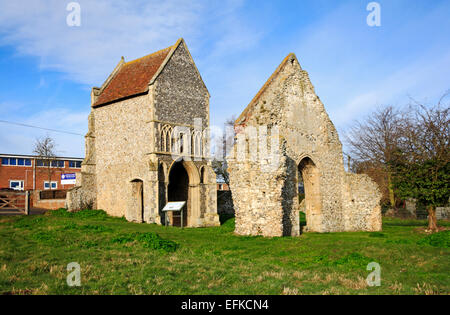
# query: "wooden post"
182,217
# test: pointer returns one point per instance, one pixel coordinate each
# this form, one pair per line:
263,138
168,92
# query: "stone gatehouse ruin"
148,144
285,139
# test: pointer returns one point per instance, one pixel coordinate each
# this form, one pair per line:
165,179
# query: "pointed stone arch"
192,186
197,143
308,174
166,138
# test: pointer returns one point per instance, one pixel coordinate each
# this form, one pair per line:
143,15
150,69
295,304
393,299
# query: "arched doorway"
137,193
308,184
178,190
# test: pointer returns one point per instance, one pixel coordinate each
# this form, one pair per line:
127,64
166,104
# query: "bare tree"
220,166
374,141
45,150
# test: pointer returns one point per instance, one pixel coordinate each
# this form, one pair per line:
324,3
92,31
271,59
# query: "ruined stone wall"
288,101
362,209
84,194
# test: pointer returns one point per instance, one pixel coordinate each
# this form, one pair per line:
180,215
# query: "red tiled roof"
132,78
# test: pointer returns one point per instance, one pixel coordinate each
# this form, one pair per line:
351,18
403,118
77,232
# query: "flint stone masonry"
306,147
131,147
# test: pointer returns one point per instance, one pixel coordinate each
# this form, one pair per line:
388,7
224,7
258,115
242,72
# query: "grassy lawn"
118,257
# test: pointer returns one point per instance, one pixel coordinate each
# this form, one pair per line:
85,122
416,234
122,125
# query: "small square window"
5,161
16,184
27,162
21,162
12,161
75,164
53,184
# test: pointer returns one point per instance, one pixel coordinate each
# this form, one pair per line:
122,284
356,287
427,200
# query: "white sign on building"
68,179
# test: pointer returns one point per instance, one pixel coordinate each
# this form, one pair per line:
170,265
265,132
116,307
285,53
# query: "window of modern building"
58,163
41,163
53,184
16,184
16,161
44,163
75,164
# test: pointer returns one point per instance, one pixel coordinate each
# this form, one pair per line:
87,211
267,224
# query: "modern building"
28,172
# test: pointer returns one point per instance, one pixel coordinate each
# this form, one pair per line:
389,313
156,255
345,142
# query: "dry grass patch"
426,289
289,291
396,287
358,284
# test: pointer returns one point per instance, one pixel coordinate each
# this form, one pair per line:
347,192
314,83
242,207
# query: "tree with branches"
421,165
227,141
372,144
45,151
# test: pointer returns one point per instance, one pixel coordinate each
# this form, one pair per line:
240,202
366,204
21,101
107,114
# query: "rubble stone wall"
266,197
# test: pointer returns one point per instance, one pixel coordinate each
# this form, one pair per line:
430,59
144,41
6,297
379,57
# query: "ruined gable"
308,153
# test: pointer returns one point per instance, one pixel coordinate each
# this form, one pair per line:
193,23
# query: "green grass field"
118,257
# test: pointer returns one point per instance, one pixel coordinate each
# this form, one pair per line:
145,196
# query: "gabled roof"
131,78
248,110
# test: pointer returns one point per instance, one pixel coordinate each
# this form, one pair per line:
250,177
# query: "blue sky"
48,68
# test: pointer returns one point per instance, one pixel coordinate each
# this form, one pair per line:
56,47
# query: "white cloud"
110,29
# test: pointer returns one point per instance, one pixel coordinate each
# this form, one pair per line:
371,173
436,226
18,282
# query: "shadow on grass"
224,218
411,222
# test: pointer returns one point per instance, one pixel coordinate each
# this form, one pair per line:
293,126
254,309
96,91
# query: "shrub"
440,239
377,234
355,260
27,222
83,214
44,237
95,228
148,240
399,241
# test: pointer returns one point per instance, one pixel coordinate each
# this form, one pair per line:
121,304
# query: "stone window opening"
181,143
166,138
202,175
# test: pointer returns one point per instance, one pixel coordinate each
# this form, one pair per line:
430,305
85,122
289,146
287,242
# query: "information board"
174,206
